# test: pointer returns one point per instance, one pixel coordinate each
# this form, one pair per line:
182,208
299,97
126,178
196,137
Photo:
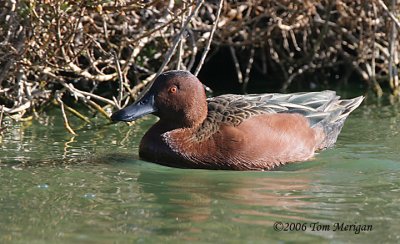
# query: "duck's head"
176,97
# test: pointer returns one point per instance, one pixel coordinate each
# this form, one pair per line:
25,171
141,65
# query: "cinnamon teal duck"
236,132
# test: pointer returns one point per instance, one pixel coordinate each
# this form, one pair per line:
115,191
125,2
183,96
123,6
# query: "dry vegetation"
102,52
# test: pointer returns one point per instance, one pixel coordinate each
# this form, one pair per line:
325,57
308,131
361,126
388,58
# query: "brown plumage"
240,132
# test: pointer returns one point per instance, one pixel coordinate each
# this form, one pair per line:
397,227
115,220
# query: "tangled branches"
90,49
102,53
314,40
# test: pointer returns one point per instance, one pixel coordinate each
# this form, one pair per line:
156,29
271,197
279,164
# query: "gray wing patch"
319,107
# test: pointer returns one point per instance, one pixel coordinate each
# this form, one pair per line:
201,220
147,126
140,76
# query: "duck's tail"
332,124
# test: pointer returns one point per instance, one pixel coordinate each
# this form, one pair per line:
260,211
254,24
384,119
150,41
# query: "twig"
375,85
372,82
393,76
121,80
85,95
99,108
180,49
135,53
18,109
75,112
174,44
193,55
391,15
1,120
78,93
141,85
18,45
86,74
207,47
145,38
236,63
178,37
248,69
373,62
66,123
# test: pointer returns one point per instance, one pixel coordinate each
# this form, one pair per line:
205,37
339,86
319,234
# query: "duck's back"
322,109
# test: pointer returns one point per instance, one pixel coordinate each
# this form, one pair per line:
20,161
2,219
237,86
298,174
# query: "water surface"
92,188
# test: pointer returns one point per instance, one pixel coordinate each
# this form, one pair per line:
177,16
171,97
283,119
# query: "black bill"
143,106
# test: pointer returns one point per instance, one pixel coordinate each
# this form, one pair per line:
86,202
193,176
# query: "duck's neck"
179,131
181,128
187,119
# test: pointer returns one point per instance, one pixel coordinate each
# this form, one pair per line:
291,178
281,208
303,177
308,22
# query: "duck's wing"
321,108
234,109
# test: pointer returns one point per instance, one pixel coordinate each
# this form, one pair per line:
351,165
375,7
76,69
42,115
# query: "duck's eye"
173,89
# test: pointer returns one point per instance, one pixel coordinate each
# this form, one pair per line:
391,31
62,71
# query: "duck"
234,132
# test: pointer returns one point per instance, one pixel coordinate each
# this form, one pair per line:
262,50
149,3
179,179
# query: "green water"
92,188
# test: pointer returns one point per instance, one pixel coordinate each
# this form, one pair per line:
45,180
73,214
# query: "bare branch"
207,47
66,123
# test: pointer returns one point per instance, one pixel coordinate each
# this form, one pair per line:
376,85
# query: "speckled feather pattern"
321,108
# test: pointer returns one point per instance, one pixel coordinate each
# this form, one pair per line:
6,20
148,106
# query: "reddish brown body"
252,132
260,142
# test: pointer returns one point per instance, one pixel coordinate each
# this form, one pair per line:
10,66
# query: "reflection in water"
93,188
67,145
199,197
